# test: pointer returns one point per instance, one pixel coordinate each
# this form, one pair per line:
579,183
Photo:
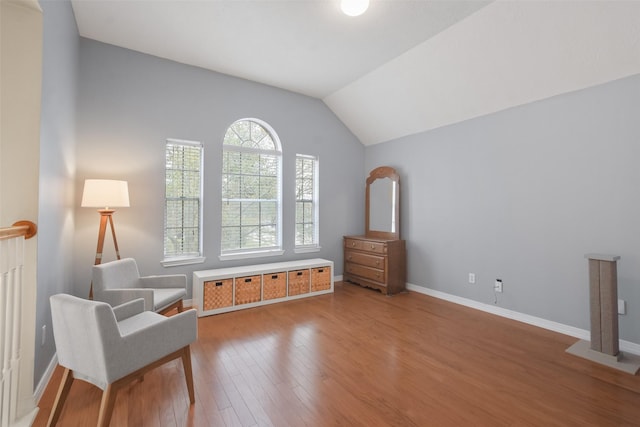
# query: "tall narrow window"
183,202
251,195
306,203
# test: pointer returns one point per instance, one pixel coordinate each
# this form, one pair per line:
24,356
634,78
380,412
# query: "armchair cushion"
119,281
165,297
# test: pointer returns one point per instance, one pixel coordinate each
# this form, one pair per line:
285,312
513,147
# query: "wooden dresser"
375,263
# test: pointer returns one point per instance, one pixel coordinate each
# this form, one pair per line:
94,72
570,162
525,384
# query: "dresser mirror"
382,210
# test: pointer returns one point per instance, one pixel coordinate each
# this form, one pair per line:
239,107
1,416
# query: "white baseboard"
572,331
46,377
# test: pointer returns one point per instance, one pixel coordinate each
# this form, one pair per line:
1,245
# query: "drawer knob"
353,243
378,262
373,246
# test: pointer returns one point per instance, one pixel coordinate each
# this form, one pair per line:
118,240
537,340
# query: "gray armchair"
117,282
110,347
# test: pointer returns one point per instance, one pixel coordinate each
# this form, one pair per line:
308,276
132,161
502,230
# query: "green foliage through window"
183,189
250,188
306,201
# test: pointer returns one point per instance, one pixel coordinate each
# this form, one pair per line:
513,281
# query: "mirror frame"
381,173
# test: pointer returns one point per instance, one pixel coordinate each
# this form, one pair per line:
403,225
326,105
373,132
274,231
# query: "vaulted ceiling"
405,66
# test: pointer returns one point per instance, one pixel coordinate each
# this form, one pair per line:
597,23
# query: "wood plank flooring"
359,358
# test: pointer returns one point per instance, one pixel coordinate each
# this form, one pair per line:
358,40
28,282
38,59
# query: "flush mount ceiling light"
354,7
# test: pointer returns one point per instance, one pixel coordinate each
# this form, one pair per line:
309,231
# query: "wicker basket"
298,282
274,285
218,294
247,289
320,279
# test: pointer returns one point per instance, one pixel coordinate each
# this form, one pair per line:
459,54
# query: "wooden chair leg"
177,305
188,373
61,397
106,405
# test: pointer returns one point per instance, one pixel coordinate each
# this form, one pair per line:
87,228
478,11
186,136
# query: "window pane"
308,234
267,143
269,188
308,211
307,168
250,188
182,198
250,212
306,205
231,162
242,129
251,163
250,237
232,138
268,213
230,238
257,132
268,165
268,234
231,186
230,214
307,189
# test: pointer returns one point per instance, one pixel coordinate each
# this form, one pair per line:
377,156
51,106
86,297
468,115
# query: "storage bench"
227,289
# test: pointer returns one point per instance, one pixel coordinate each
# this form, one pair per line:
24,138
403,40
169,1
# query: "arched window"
251,191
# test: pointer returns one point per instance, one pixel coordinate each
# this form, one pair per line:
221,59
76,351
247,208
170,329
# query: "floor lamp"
105,194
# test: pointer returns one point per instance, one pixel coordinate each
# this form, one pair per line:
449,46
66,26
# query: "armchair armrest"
153,339
117,297
128,309
164,281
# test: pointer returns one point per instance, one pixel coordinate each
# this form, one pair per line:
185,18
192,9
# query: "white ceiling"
403,67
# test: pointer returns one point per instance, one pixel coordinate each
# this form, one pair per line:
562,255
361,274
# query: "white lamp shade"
354,7
105,193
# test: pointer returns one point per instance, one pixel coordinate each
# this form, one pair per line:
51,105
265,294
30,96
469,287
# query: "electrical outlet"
497,286
622,306
44,334
472,278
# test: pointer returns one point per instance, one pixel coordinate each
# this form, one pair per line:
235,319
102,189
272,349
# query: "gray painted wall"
522,195
130,103
57,169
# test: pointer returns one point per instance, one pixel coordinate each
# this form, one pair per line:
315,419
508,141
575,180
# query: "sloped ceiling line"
404,67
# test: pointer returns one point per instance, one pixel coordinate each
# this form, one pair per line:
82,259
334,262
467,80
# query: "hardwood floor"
359,358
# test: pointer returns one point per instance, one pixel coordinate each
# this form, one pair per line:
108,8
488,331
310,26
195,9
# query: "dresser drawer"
374,261
374,274
365,245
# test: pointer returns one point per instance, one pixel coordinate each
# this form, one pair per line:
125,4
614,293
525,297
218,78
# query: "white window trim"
189,259
307,249
247,254
259,252
315,247
175,261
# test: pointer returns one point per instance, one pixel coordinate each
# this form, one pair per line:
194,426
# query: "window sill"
306,249
173,262
247,255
